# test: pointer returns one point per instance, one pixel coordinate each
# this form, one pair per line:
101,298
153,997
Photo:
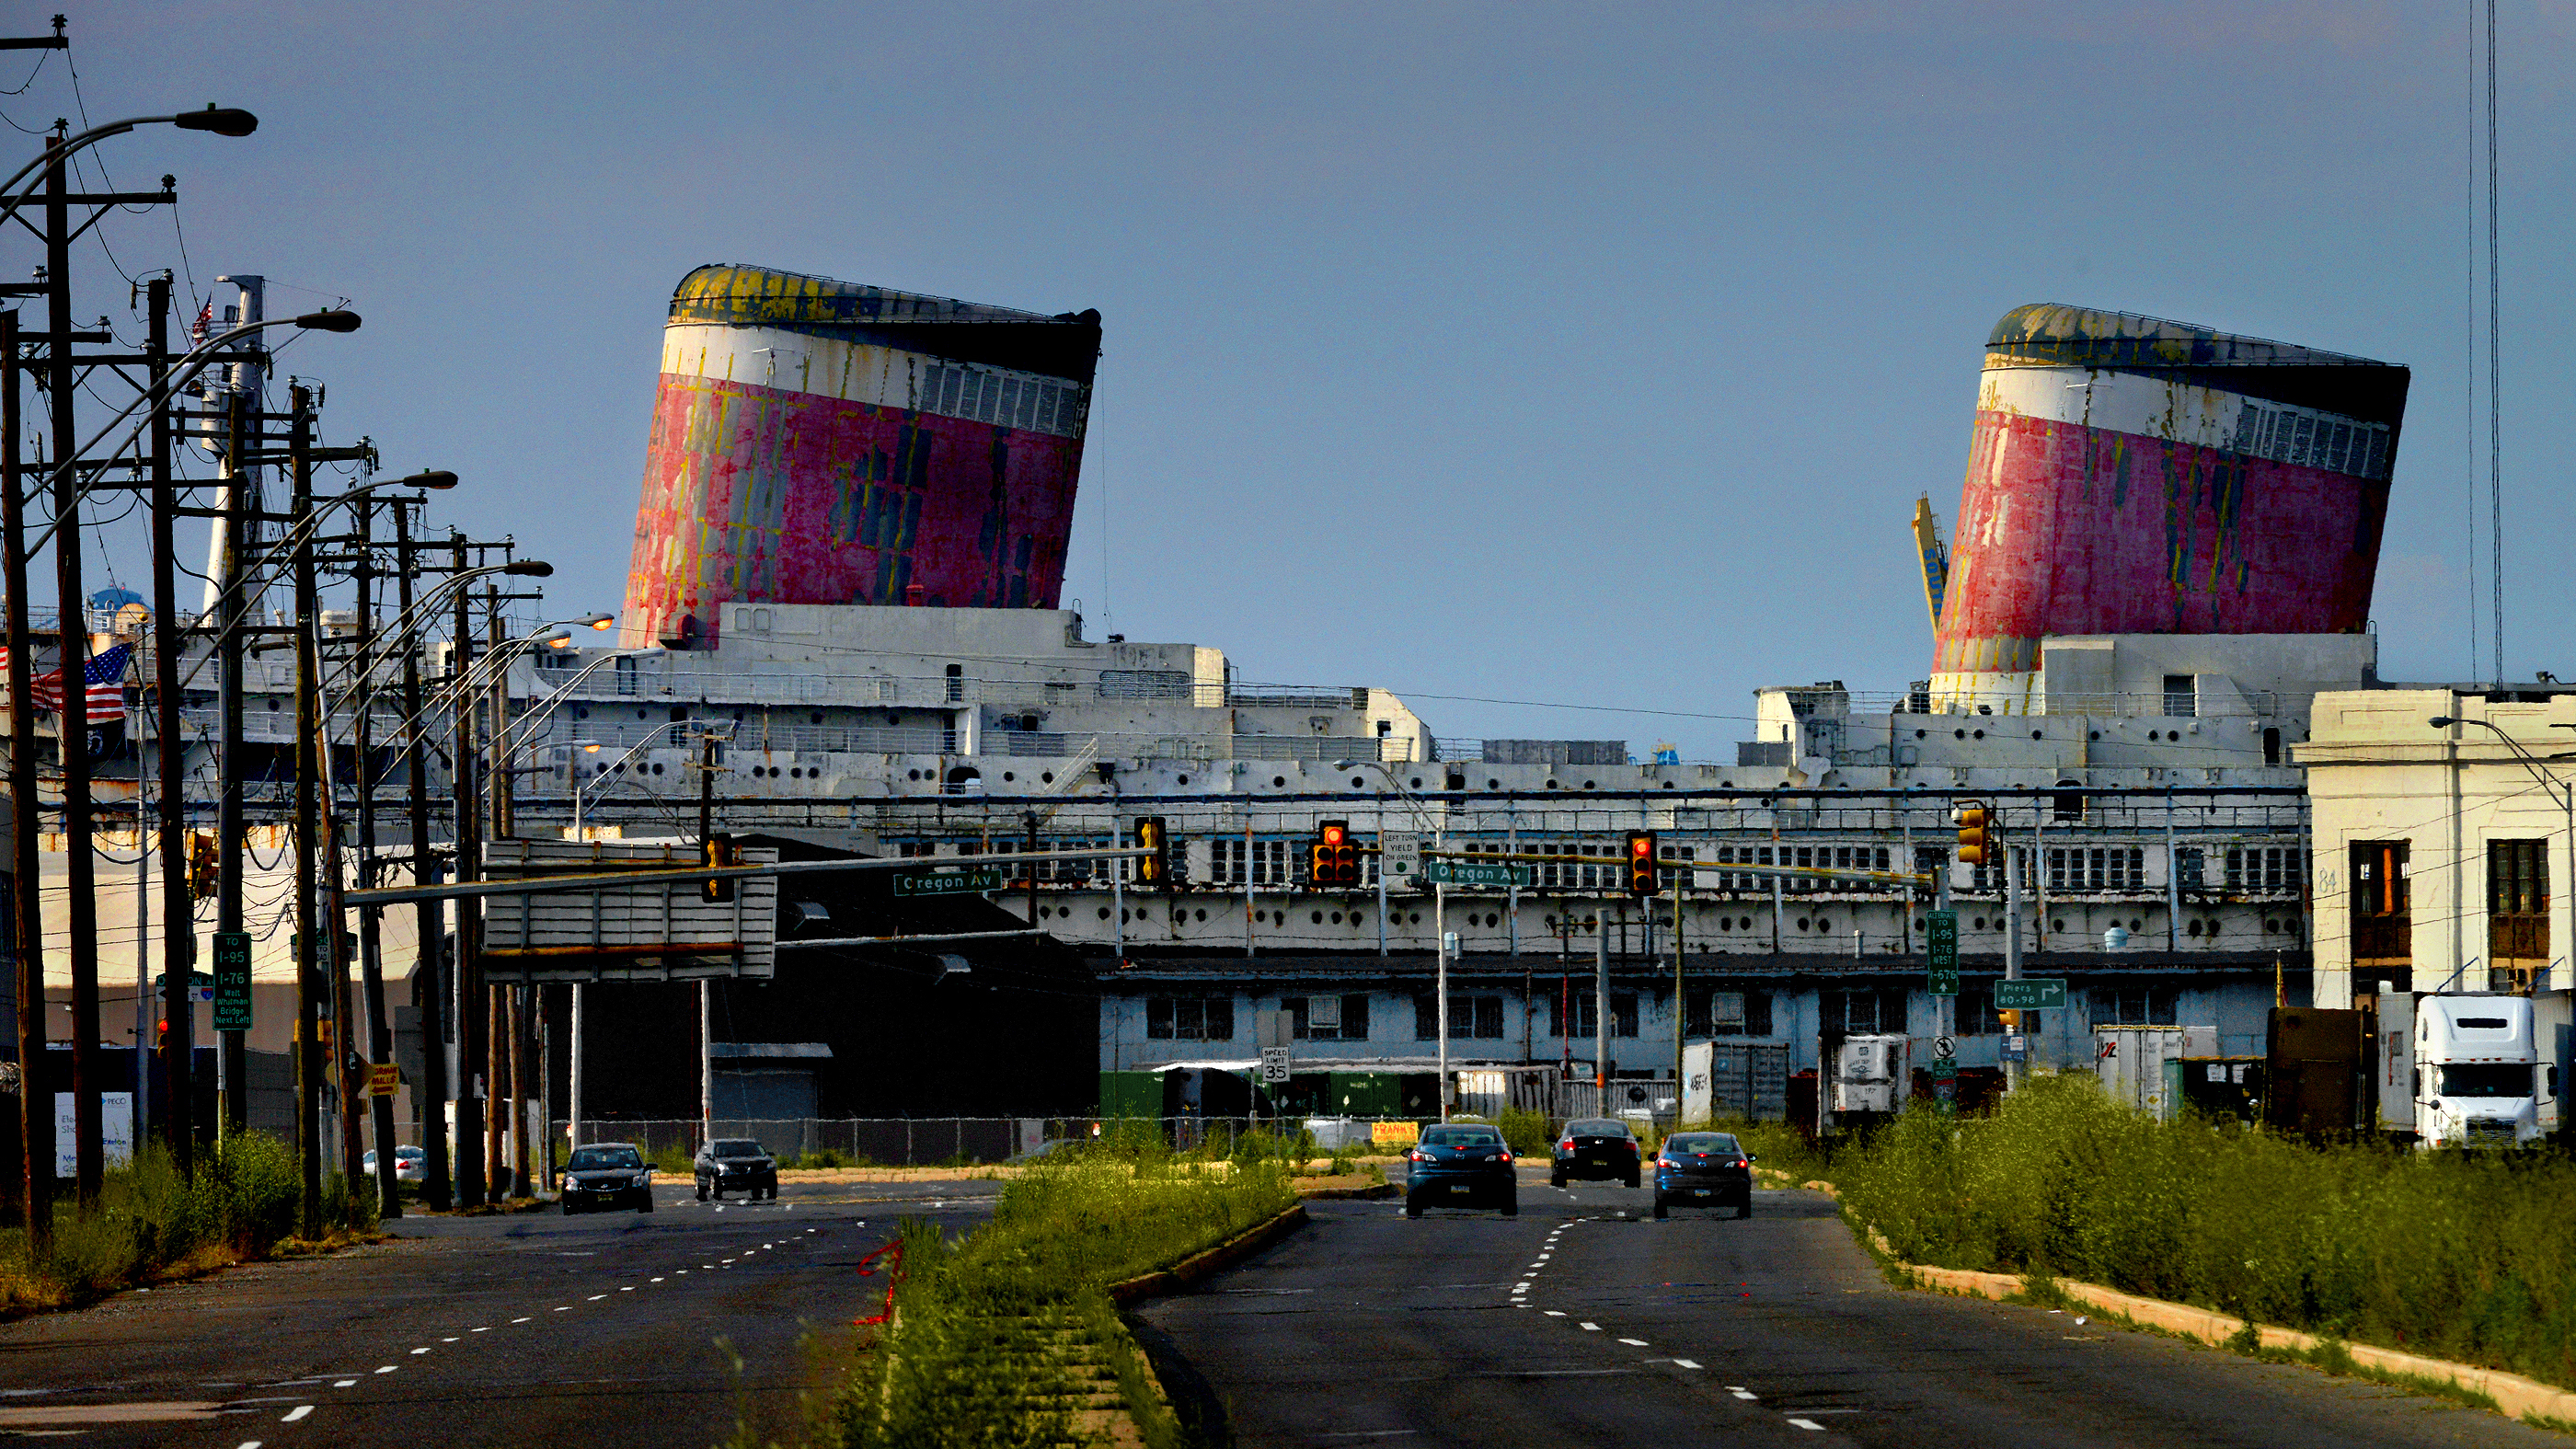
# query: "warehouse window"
2096,868
1329,1018
2268,869
2135,1005
1470,1017
1728,1013
1189,1018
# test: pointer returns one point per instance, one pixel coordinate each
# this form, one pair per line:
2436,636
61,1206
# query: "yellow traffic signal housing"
1972,821
1333,862
205,872
1641,862
2010,1018
721,854
1154,870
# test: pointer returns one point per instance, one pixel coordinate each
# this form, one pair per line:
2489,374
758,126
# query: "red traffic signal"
1333,862
1641,862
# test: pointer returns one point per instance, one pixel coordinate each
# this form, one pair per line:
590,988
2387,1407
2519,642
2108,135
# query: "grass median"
1006,1337
2466,1257
153,1225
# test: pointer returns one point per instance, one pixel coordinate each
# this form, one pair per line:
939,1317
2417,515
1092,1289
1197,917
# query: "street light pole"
178,910
434,968
308,743
27,933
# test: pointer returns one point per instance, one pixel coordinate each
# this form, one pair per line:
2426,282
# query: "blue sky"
1580,355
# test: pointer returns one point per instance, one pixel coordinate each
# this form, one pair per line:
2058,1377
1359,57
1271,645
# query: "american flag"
104,678
205,320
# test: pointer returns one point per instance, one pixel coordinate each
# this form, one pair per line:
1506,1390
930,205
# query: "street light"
220,120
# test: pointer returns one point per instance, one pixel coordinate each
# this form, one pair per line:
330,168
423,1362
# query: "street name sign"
232,981
948,883
2031,993
1941,952
1473,873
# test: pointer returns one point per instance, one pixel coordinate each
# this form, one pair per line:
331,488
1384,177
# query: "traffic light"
721,853
161,1034
2010,1018
1333,861
205,872
1156,869
1971,820
1641,862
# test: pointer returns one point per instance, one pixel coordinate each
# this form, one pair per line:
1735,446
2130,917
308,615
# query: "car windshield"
1462,1137
1596,1127
2486,1079
586,1159
743,1147
1695,1142
405,1154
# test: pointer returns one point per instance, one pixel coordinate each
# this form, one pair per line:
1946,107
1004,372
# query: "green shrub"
2466,1257
1526,1133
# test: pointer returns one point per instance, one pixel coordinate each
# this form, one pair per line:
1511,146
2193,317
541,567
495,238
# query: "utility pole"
1600,1014
2012,947
706,988
71,721
178,906
308,825
473,1184
371,964
26,904
499,1030
1681,1008
232,836
429,918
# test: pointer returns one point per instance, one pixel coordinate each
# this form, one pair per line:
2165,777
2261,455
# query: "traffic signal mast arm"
395,895
1810,872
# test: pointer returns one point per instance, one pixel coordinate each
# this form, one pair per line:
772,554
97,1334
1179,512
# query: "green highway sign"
948,883
1941,952
1471,873
1945,1069
232,981
2031,993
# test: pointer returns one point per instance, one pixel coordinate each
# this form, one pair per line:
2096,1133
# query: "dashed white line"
1636,1343
1592,1328
447,1340
478,1330
345,1384
519,1320
420,1350
595,1297
1556,1313
1808,1424
567,1308
298,1412
1685,1363
1742,1393
389,1368
249,1444
657,1280
627,1289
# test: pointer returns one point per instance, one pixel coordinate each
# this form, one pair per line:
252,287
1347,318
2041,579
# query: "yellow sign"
383,1079
1395,1134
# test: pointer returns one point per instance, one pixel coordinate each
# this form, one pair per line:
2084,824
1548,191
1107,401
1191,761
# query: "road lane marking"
447,1340
249,1444
567,1308
298,1412
420,1350
478,1330
657,1280
1685,1363
628,1289
389,1368
1636,1343
345,1384
595,1297
1592,1328
1808,1424
1742,1393
1556,1313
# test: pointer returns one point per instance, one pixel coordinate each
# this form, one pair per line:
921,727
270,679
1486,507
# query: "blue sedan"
1461,1166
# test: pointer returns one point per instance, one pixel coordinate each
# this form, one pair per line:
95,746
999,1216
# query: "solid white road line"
298,1412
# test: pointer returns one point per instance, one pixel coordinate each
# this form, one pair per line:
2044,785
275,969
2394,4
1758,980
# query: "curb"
1199,1265
2515,1397
1346,1194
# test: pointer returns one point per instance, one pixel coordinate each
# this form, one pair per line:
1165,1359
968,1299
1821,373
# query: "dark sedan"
607,1175
1595,1147
735,1164
1461,1166
1703,1169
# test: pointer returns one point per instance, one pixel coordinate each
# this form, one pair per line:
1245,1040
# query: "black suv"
609,1175
738,1164
1595,1147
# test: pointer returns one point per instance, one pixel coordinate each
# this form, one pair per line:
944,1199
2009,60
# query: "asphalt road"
1585,1322
522,1329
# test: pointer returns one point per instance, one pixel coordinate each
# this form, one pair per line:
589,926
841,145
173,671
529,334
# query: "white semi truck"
2464,1070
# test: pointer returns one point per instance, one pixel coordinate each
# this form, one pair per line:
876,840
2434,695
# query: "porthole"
1493,784
1978,925
1919,925
1417,782
1184,779
2094,735
1802,923
912,774
1046,777
815,718
639,714
1104,913
1416,918
1919,734
1550,784
1823,925
2056,925
1959,734
1007,776
1981,734
2269,924
581,711
1588,785
1318,917
2213,930
657,767
1357,782
2135,924
1669,785
1337,918
1278,782
2034,734
1202,913
2192,929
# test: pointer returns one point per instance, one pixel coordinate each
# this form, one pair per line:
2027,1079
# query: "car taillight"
1507,1157
1418,1155
1740,1162
1566,1146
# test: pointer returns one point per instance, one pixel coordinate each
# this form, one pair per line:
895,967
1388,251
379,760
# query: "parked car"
1461,1166
411,1164
1703,1169
736,1164
609,1175
1595,1147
